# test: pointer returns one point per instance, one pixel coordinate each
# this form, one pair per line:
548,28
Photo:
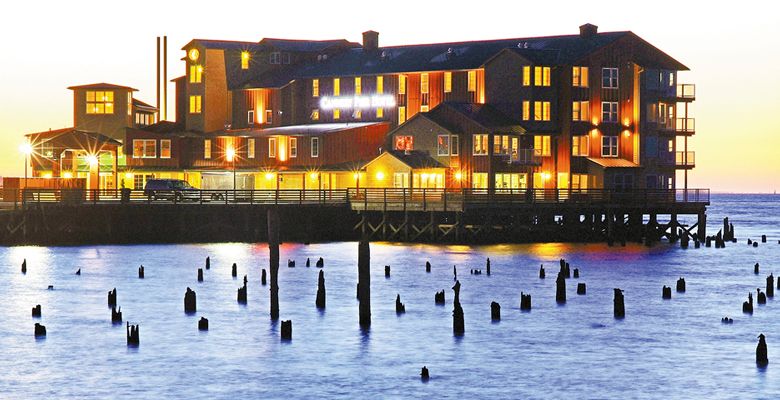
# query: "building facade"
584,111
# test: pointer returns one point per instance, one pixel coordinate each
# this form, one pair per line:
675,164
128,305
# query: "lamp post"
26,149
231,157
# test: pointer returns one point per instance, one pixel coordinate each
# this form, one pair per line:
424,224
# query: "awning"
608,162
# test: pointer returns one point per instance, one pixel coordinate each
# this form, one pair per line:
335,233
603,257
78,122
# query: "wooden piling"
666,293
241,294
273,259
619,306
760,296
761,352
234,270
364,280
320,263
190,301
116,315
576,272
286,330
755,269
203,324
387,271
24,266
400,308
770,285
541,272
140,272
320,300
112,297
40,330
308,262
133,335
36,311
560,288
208,262
525,302
487,266
681,285
427,266
439,298
581,288
262,277
495,311
458,325
200,274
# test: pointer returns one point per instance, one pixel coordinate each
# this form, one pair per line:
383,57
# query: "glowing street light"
26,149
230,155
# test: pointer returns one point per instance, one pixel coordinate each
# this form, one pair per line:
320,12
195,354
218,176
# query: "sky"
732,49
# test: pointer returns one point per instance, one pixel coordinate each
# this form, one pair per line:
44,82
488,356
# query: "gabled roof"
296,130
143,106
485,115
164,127
305,46
605,162
102,86
46,136
222,44
413,159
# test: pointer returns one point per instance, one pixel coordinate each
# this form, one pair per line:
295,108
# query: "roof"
298,130
163,127
415,159
612,162
222,44
142,105
306,46
46,136
102,85
482,114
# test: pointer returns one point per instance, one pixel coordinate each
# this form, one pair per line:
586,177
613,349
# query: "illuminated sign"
357,102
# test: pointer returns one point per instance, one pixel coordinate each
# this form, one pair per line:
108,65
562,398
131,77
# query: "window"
315,88
580,146
579,181
405,143
424,108
195,104
285,58
670,145
146,148
274,58
609,111
401,115
401,84
472,81
662,113
580,111
541,76
526,75
380,112
207,148
454,145
479,180
609,78
244,60
623,181
358,86
511,181
101,102
501,144
541,111
250,148
293,147
336,87
129,103
272,147
315,114
400,180
424,83
315,147
609,146
165,148
447,82
196,74
542,146
357,114
269,116
336,114
443,145
380,84
250,117
480,145
563,180
579,76
526,110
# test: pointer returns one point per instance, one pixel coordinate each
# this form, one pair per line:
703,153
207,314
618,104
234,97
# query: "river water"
663,348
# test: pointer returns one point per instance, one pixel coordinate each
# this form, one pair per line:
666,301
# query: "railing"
685,125
526,157
685,159
387,199
686,91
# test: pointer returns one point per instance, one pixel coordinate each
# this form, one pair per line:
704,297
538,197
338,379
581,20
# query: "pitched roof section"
612,162
222,44
297,130
143,106
99,138
305,46
452,117
416,159
102,85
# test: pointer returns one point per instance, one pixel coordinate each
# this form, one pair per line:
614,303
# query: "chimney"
588,31
370,40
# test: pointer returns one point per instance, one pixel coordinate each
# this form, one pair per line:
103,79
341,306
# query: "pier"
62,216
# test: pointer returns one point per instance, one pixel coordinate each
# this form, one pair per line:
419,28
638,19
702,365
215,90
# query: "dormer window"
274,58
244,60
100,102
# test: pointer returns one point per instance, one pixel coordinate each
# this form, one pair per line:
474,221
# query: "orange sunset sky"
732,49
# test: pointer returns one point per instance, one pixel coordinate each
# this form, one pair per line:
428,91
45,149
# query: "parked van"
171,189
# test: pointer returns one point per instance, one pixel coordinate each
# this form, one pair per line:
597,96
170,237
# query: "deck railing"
373,198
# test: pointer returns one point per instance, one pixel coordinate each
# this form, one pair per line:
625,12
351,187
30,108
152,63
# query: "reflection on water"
664,348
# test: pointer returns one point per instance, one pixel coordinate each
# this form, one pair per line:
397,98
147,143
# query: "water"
662,349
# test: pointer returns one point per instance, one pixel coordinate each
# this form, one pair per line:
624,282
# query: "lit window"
580,111
541,76
526,75
670,145
357,114
293,147
541,111
401,115
454,145
380,84
315,114
580,146
609,146
424,83
250,148
501,144
195,104
480,147
274,58
401,84
472,81
579,181
609,78
272,147
315,147
207,148
405,143
542,145
609,111
447,82
250,117
358,85
130,103
579,76
101,102
244,60
479,180
336,86
146,148
526,110
443,145
165,148
380,112
315,88
196,73
336,113
424,108
269,116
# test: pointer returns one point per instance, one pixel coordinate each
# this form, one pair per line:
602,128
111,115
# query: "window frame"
544,148
207,149
275,57
250,117
610,76
196,104
272,144
610,143
610,109
479,144
579,76
293,144
336,87
103,105
314,147
454,145
315,88
578,148
471,81
162,148
580,111
445,143
143,147
526,75
250,148
447,82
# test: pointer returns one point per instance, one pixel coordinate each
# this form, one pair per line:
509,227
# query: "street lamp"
26,149
231,157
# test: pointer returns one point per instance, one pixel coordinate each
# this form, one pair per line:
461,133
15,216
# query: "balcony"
523,157
679,159
686,92
678,126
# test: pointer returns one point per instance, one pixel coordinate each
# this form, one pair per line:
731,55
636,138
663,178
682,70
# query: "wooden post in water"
364,282
140,272
495,311
620,308
320,301
458,325
770,285
273,246
761,352
560,288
